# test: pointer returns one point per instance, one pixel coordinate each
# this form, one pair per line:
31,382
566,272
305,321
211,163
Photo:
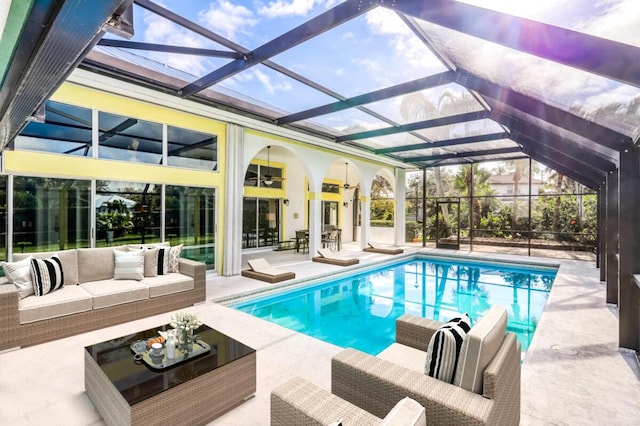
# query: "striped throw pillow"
163,260
47,275
444,347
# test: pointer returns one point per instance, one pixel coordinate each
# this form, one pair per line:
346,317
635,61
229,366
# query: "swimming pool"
360,310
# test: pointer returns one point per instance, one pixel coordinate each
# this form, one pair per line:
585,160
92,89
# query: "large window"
129,139
66,129
50,214
127,213
188,148
190,220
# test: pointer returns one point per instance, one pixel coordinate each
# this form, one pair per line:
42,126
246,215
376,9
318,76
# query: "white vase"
170,346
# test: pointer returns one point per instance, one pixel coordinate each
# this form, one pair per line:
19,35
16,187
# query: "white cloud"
288,8
161,31
228,19
620,22
269,86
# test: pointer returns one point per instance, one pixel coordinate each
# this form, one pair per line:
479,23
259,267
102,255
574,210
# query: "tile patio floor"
572,374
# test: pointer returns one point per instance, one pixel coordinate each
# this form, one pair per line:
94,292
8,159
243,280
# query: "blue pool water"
359,311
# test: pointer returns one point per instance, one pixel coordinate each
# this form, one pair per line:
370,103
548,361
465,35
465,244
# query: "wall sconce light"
345,204
286,201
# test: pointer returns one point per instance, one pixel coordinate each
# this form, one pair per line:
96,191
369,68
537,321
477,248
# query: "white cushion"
68,300
406,356
444,348
129,265
407,412
479,348
19,274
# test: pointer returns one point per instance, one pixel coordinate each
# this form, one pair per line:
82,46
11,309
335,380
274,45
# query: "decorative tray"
160,362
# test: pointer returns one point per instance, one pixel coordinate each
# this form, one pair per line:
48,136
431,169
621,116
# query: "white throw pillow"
174,258
129,265
19,274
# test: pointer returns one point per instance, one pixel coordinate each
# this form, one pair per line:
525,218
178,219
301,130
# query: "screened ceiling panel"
395,140
470,147
474,159
604,101
268,86
349,121
609,19
442,101
459,130
376,44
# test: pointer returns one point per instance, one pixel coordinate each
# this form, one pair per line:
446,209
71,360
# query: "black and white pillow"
444,348
163,260
47,275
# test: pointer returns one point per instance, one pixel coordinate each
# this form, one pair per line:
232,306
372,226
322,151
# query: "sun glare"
522,8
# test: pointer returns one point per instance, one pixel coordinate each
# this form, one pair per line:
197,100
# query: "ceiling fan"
267,178
346,177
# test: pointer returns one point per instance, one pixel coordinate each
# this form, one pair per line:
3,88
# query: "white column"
365,215
315,219
399,221
230,230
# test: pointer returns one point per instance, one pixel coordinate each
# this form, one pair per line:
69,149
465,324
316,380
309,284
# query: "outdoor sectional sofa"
91,298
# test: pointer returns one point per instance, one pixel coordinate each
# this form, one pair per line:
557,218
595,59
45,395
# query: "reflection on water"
360,311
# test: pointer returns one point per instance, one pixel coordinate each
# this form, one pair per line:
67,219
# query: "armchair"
376,384
301,403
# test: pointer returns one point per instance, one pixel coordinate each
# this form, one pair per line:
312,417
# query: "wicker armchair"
300,403
375,384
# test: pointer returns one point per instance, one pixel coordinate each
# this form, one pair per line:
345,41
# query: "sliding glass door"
261,222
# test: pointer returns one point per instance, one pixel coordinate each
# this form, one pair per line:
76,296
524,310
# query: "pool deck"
573,372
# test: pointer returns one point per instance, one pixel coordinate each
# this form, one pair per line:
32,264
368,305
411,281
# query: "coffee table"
129,392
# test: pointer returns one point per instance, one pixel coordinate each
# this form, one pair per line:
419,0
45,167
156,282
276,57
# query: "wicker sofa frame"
13,334
376,385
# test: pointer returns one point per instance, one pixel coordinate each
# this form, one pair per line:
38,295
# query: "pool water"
360,311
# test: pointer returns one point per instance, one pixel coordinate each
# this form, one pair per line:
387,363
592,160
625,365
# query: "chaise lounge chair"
300,403
261,270
383,250
485,390
327,256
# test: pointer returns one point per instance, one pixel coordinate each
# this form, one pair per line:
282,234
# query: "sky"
377,49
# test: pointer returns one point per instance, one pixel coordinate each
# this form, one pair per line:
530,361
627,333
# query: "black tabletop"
136,381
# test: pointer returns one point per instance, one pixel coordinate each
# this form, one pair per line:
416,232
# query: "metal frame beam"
435,122
467,161
469,154
51,45
378,95
576,175
444,143
554,142
313,27
154,47
543,40
569,163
